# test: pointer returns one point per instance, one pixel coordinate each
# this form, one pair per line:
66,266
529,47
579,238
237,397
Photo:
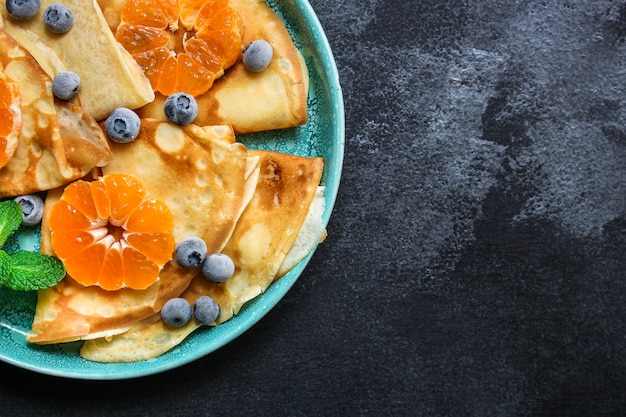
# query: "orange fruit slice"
11,116
107,233
181,45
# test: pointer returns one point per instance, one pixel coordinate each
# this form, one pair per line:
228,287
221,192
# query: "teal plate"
323,135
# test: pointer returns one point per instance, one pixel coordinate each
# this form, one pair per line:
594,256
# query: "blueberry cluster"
57,17
190,253
177,312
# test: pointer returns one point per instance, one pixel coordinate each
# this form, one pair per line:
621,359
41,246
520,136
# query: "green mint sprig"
24,270
10,219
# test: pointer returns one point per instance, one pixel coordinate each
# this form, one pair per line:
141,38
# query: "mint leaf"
5,266
33,271
10,219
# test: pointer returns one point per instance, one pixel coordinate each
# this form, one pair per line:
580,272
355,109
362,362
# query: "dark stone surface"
476,259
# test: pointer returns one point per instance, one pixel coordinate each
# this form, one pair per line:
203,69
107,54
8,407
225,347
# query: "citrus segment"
64,217
109,274
189,9
84,264
143,38
10,114
182,46
125,195
152,62
74,241
155,13
80,198
143,270
124,246
201,52
153,245
149,216
100,198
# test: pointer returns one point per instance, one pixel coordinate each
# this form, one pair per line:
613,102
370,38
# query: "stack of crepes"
261,208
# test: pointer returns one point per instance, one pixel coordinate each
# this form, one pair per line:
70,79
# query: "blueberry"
65,85
218,267
206,310
176,312
58,18
32,208
122,125
257,56
23,9
190,252
181,108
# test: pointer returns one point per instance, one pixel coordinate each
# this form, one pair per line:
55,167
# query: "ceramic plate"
323,135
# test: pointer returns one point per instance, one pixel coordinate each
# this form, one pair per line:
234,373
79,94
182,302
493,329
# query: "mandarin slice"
11,116
108,234
155,13
81,199
152,215
163,37
139,270
125,193
152,245
70,242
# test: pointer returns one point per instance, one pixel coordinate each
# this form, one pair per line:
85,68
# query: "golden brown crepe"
52,133
110,78
12,106
198,173
84,142
312,233
262,238
203,177
249,102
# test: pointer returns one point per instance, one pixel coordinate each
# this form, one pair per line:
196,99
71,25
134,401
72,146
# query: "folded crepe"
265,233
58,141
249,102
110,78
11,110
203,176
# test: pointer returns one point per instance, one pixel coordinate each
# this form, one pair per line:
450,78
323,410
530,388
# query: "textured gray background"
476,259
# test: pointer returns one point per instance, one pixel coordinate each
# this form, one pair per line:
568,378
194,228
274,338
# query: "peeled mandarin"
108,234
181,46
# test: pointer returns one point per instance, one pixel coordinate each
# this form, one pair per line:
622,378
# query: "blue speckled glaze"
323,135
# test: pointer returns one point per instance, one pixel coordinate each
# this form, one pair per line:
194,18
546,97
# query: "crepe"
12,108
110,78
53,135
263,236
249,102
312,233
198,173
203,177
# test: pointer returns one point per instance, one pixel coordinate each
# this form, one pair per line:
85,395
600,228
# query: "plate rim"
330,76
